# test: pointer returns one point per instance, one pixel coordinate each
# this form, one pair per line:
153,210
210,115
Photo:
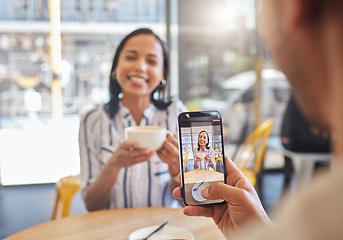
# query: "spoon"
158,229
196,189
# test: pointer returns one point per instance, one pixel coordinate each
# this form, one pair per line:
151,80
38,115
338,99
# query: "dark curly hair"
161,102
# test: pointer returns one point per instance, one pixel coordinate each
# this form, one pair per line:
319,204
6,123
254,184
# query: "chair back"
252,152
66,188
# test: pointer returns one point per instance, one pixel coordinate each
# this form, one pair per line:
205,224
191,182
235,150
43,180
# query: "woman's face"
140,66
203,140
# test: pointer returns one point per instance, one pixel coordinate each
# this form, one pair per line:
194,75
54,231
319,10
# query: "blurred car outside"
235,102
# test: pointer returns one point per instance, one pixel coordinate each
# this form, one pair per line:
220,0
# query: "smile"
137,79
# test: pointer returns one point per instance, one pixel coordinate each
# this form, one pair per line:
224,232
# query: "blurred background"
216,49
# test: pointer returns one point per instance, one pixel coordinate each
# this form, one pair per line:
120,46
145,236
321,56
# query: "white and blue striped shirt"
145,184
204,165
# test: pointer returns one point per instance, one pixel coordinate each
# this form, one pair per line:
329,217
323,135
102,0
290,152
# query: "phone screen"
201,154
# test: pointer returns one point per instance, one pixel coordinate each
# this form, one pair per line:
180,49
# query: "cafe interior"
55,63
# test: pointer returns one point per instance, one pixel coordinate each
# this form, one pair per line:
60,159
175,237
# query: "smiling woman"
204,154
140,70
116,173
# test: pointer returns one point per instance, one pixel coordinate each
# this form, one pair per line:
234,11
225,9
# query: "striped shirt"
204,165
145,184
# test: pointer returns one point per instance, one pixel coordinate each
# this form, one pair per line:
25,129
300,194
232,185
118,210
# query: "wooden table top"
118,224
206,175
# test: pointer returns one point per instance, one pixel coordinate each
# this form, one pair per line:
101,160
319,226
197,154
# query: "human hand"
198,159
209,160
169,153
128,154
241,205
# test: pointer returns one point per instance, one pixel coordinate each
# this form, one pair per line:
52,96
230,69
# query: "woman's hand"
209,160
241,202
128,154
99,192
169,153
198,159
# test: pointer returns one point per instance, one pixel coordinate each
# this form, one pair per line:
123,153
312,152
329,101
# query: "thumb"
225,192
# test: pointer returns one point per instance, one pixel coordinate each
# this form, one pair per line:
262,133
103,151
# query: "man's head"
297,33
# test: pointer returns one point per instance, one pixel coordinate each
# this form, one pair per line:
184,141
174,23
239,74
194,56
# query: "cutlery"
158,229
196,189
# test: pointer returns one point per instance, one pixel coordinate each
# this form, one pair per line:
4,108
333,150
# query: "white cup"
201,155
151,137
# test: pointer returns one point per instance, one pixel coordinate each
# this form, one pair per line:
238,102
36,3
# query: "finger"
173,162
193,210
172,133
170,149
177,193
128,145
140,152
173,139
199,211
225,192
161,154
141,159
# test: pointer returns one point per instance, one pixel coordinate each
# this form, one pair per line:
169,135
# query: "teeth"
137,79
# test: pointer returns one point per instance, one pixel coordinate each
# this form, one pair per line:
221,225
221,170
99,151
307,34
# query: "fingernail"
147,151
204,192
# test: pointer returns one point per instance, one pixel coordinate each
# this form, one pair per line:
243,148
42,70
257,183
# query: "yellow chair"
217,158
185,159
250,157
66,188
216,161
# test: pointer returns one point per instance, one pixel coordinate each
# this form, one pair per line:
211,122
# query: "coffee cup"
201,155
151,137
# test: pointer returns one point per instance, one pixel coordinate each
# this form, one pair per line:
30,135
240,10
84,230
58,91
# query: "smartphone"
201,154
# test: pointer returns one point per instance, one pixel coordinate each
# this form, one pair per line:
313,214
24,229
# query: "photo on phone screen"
201,154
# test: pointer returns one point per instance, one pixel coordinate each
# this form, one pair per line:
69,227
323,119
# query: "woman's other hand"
209,160
169,153
242,203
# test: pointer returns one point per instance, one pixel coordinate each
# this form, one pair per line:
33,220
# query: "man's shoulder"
314,211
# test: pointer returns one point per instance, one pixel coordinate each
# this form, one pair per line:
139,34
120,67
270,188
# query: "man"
305,37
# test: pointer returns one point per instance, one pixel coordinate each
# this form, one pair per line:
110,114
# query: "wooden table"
206,175
118,224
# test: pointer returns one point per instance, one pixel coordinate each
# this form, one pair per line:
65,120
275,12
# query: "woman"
116,173
205,162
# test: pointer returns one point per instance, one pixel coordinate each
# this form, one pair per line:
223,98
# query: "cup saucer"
196,190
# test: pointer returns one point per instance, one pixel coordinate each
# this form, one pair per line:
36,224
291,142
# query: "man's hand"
242,202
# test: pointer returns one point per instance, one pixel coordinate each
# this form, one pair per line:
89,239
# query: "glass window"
220,41
35,147
211,41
